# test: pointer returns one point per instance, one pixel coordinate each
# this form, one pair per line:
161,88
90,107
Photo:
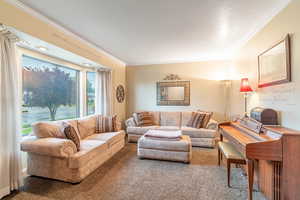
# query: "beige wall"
206,89
285,97
17,18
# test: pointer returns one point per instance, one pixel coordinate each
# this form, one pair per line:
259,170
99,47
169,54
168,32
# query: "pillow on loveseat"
196,120
72,134
106,124
143,119
208,116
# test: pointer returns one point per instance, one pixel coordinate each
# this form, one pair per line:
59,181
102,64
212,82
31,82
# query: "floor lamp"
246,89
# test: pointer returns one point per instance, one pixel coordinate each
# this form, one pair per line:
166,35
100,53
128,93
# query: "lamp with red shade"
246,89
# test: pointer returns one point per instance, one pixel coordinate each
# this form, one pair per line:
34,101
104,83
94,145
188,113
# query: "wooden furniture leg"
250,165
219,156
228,172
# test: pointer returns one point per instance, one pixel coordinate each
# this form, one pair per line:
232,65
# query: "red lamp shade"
245,87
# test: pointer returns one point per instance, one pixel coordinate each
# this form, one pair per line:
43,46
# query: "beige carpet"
125,177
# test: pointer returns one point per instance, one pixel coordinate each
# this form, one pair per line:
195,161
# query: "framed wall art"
274,64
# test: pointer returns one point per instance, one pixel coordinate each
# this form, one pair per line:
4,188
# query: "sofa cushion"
168,128
182,145
155,117
89,149
185,117
110,138
198,133
203,142
48,130
140,130
106,123
87,126
170,118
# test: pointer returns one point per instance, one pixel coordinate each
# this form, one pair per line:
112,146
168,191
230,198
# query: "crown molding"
45,19
180,61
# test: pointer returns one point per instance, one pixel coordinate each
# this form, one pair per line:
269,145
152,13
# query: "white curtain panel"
10,116
104,102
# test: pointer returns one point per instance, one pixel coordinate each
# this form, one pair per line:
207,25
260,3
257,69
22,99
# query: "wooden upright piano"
272,154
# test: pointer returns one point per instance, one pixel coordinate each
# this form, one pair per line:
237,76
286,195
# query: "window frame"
80,70
86,81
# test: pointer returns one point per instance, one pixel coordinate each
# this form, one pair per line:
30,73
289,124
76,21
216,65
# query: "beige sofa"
203,137
58,158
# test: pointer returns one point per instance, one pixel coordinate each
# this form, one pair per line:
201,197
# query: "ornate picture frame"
274,64
162,96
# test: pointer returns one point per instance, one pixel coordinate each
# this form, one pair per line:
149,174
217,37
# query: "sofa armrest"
55,147
212,124
130,122
118,126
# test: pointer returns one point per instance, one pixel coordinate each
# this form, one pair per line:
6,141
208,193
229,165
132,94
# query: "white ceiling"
162,31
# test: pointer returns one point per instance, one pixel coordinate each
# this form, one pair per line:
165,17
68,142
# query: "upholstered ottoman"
180,150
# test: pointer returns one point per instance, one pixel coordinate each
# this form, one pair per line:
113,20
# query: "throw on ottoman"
160,147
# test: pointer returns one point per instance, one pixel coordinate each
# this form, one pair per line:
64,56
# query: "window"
50,92
90,92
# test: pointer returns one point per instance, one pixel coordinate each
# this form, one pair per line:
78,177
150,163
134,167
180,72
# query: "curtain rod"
6,32
102,69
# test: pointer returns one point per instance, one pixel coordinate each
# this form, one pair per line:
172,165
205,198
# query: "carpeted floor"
125,177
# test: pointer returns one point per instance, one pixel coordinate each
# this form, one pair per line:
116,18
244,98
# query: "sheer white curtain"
10,116
104,102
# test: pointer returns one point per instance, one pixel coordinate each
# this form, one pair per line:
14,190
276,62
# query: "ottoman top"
163,134
184,144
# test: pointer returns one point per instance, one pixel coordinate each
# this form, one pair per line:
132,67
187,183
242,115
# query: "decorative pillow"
130,122
143,119
87,126
72,134
208,116
48,129
196,120
106,124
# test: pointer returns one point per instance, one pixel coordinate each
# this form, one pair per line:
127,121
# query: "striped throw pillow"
143,119
106,124
196,120
208,116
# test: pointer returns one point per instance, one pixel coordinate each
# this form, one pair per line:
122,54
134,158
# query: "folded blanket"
163,134
164,139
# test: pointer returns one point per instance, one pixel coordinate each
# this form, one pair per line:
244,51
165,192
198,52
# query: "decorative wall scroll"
120,93
171,77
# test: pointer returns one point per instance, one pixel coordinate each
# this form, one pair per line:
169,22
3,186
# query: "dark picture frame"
274,64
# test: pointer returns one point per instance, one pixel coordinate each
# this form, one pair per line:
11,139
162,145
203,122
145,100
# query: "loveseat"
200,137
58,158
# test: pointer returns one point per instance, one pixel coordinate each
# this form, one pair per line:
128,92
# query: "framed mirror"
173,93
